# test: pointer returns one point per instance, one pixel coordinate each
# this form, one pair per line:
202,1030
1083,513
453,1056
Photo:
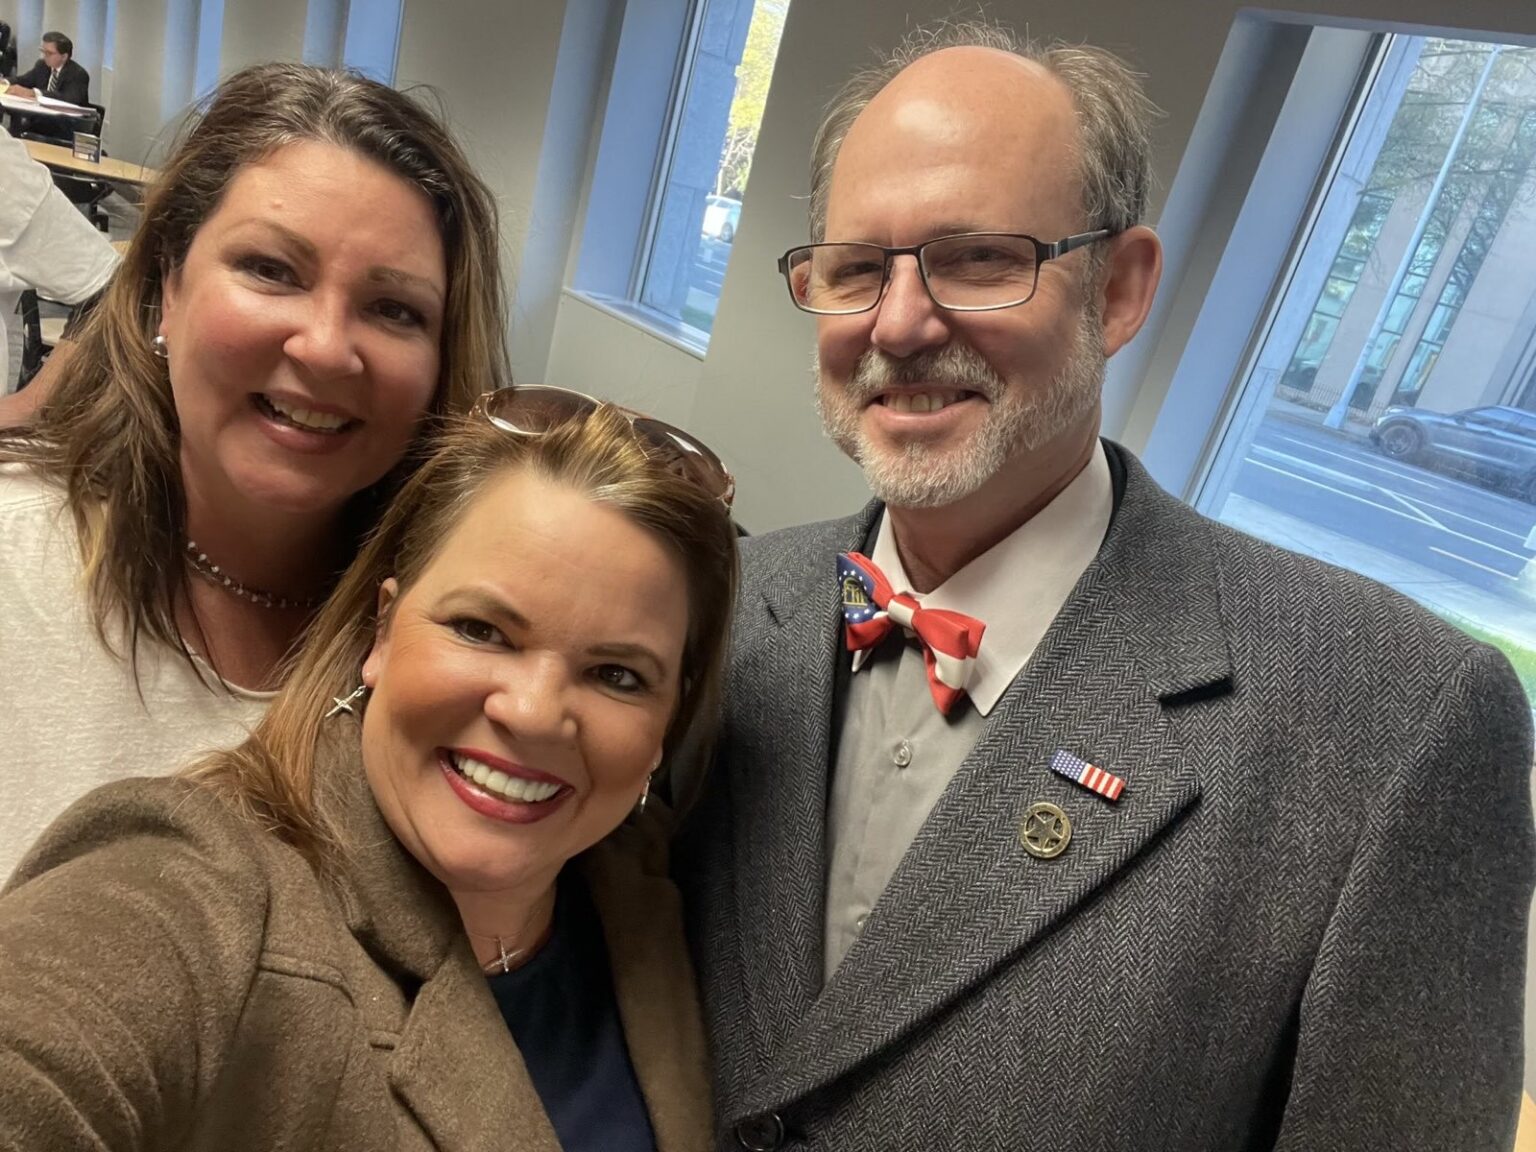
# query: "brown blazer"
173,976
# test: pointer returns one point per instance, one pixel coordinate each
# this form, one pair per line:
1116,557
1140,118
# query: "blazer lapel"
1140,634
782,687
454,1067
457,1071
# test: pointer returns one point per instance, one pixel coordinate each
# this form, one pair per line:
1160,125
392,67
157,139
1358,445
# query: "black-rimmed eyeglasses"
971,272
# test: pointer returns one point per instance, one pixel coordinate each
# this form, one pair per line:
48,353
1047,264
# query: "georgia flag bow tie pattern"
871,608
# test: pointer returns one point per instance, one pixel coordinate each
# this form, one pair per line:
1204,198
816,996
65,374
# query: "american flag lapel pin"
1090,776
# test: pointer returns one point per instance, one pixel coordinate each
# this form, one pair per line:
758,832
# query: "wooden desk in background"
115,171
1525,1136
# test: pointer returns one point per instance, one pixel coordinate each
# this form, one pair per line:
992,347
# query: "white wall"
493,64
260,31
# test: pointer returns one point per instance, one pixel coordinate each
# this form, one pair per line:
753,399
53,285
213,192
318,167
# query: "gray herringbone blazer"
1302,926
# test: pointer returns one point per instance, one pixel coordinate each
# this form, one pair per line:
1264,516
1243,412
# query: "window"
1399,437
372,40
660,258
210,40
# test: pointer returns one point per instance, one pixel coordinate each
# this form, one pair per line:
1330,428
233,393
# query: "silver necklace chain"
211,572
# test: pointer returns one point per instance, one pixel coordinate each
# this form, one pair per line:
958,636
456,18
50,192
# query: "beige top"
897,753
71,718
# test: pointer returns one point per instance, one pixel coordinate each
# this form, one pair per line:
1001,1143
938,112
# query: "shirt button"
903,754
761,1133
863,919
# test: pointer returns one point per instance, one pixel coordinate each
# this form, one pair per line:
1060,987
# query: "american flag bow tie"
871,608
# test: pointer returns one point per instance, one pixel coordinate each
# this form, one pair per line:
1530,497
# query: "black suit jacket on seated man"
74,82
74,88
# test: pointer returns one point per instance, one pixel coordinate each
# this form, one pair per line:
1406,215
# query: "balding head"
1112,112
932,136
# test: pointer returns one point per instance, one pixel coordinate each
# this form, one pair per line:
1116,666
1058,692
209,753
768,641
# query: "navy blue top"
565,1020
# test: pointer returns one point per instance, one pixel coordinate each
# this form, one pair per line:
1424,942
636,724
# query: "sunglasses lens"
532,411
693,460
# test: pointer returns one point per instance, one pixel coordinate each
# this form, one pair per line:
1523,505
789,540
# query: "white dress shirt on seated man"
45,243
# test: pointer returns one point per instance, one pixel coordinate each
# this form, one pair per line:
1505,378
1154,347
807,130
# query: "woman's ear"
170,289
378,655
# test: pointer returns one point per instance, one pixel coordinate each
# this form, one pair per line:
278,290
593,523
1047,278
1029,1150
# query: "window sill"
683,337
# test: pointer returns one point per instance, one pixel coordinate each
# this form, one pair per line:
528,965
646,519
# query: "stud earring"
159,347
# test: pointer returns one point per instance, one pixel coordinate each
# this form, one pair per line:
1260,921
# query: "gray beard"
921,475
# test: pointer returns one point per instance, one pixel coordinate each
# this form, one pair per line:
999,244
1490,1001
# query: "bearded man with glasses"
1047,812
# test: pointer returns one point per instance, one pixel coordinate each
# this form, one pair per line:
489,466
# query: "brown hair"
1114,116
109,435
271,776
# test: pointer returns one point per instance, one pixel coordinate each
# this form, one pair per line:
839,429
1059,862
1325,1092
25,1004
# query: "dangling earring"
160,348
345,703
645,797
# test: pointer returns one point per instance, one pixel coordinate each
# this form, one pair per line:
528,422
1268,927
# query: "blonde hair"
271,776
109,435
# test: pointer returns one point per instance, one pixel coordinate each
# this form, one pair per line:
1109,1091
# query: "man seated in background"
46,244
55,75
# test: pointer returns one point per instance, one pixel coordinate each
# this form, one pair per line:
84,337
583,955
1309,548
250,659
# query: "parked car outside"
721,217
1495,445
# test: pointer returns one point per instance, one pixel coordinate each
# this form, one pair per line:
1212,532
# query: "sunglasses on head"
535,410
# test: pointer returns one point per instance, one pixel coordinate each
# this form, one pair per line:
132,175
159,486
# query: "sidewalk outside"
1509,620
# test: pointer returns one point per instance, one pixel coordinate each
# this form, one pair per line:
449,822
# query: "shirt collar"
1017,587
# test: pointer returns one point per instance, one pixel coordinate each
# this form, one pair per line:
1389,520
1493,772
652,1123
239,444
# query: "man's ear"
389,591
1127,284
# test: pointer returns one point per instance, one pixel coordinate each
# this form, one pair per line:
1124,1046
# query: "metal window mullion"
1242,397
682,79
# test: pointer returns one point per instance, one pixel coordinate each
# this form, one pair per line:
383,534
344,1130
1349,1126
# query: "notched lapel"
1140,634
458,1072
782,686
968,898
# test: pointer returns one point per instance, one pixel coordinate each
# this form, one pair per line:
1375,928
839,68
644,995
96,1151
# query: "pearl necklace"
214,575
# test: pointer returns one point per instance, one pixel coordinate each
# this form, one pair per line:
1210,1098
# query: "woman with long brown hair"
314,279
426,903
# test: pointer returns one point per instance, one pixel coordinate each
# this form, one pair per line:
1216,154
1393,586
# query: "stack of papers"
60,105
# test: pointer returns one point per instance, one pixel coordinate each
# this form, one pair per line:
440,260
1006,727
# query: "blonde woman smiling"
414,909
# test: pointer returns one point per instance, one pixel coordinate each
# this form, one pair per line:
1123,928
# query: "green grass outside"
1523,658
699,318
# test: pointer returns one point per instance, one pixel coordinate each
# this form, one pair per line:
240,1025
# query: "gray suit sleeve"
1410,1025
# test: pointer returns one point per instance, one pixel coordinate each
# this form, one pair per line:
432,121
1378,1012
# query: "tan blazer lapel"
642,920
455,1067
458,1072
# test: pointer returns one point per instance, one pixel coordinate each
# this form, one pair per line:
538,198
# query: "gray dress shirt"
896,756
897,753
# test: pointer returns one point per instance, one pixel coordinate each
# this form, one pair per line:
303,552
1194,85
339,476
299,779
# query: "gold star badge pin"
1046,830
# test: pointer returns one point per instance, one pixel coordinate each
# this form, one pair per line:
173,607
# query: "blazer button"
761,1133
